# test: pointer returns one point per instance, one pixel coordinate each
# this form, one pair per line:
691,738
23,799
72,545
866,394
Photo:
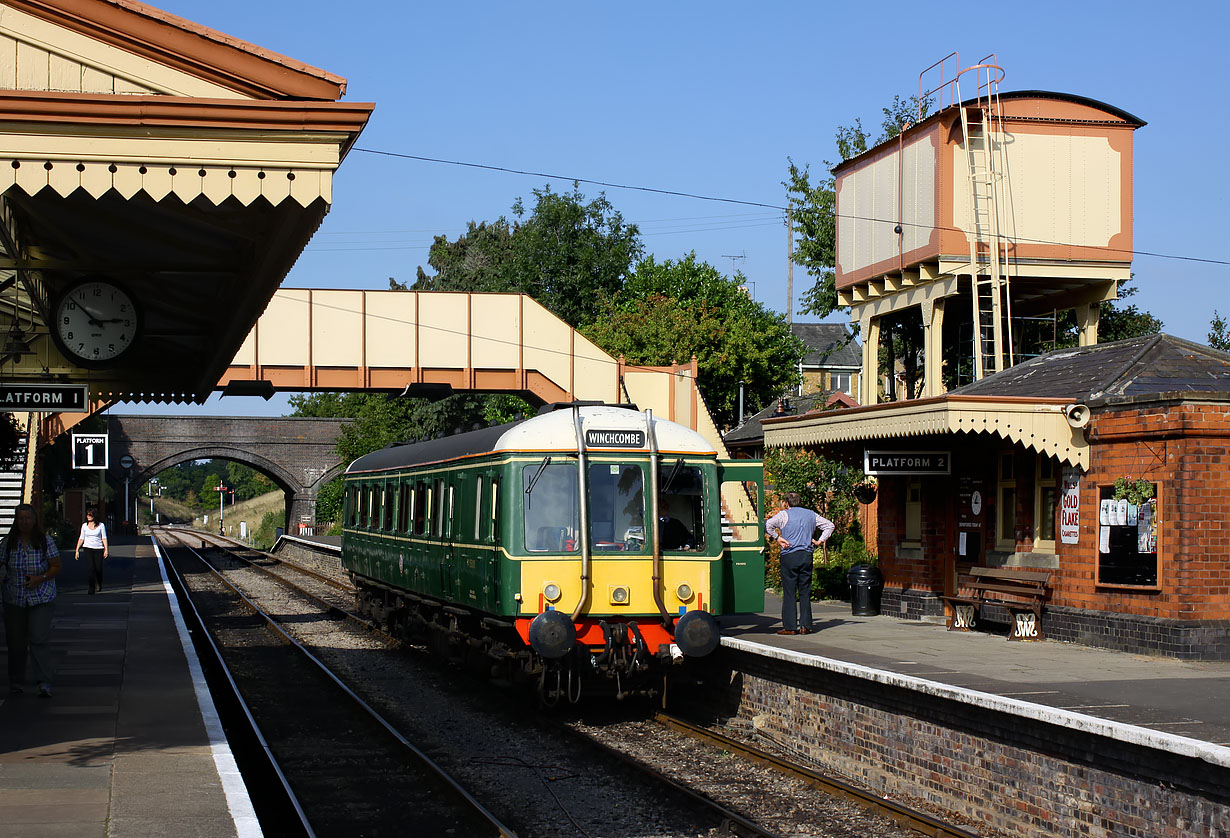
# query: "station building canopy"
144,152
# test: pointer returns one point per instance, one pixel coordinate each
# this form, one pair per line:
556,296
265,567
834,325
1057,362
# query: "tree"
1219,333
568,253
675,309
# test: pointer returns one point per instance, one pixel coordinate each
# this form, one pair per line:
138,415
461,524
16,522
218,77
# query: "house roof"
751,431
828,345
1132,369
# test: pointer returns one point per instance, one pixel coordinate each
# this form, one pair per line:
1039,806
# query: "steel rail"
424,759
234,697
903,815
732,821
218,540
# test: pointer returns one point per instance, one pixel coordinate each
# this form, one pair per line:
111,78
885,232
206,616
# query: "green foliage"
264,536
1135,491
329,501
672,310
1219,333
824,485
568,254
828,577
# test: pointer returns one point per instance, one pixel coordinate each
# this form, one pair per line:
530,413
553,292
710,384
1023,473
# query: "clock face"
96,322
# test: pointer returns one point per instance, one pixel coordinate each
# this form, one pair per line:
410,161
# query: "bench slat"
1021,574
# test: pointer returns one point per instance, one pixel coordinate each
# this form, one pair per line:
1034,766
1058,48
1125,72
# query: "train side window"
437,496
493,531
388,508
362,518
403,507
448,516
350,506
420,508
478,507
428,508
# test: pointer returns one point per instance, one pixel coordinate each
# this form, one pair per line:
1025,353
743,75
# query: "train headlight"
551,592
684,592
620,595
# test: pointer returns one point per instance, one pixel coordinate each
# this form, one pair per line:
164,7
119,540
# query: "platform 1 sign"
44,398
90,451
890,463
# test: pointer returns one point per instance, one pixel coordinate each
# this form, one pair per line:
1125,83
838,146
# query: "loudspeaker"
1077,415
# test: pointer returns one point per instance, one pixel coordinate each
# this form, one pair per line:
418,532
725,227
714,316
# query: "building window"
839,381
1046,503
1128,545
1005,508
913,514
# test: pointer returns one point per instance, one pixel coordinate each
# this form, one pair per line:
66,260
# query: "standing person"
29,564
93,542
793,528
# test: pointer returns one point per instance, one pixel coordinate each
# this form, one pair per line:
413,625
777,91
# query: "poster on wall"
1070,507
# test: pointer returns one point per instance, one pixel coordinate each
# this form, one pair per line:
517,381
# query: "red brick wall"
1183,449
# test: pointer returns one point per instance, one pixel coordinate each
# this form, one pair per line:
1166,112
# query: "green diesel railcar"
586,541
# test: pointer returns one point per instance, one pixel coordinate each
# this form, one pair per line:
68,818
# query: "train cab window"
552,511
419,503
681,507
616,507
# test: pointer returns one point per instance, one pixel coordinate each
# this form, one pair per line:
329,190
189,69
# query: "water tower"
997,207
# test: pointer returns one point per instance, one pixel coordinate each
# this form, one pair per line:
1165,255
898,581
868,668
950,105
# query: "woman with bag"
29,564
93,542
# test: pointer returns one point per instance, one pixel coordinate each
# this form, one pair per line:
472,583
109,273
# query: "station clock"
96,322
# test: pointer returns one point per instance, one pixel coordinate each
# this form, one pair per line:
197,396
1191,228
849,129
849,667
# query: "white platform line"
238,803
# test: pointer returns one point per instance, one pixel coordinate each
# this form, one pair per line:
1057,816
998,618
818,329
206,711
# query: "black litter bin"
866,586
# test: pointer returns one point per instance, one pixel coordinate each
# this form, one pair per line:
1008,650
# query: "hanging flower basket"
865,492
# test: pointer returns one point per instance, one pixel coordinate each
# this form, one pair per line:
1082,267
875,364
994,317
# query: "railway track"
734,799
346,770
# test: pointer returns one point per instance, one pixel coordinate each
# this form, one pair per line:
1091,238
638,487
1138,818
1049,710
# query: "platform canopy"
146,157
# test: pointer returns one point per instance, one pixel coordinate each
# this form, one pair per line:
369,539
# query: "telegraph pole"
789,264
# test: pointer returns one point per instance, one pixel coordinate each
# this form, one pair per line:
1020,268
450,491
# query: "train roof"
607,429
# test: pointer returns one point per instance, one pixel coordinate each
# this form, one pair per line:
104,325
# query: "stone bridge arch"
297,453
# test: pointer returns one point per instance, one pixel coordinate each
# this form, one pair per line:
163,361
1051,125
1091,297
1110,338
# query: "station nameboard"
44,398
906,462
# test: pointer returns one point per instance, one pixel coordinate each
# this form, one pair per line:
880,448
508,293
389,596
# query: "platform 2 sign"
890,463
90,451
44,398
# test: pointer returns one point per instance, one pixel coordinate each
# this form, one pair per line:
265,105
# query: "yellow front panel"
634,574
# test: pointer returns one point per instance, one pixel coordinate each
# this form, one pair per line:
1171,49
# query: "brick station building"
1013,469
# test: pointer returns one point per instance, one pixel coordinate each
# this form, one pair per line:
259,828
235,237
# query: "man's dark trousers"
796,582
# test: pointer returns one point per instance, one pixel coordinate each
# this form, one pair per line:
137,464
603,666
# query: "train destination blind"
597,438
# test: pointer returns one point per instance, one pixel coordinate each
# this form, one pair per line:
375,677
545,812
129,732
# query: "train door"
742,493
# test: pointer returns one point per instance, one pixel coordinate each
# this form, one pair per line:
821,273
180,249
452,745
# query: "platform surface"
122,748
1183,698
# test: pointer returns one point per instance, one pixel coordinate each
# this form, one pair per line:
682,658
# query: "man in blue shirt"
794,529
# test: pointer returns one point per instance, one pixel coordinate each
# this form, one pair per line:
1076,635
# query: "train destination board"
43,398
907,462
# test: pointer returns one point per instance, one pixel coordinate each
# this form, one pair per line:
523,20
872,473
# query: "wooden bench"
1020,590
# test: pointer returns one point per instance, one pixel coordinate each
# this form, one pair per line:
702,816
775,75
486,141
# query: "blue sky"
711,98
